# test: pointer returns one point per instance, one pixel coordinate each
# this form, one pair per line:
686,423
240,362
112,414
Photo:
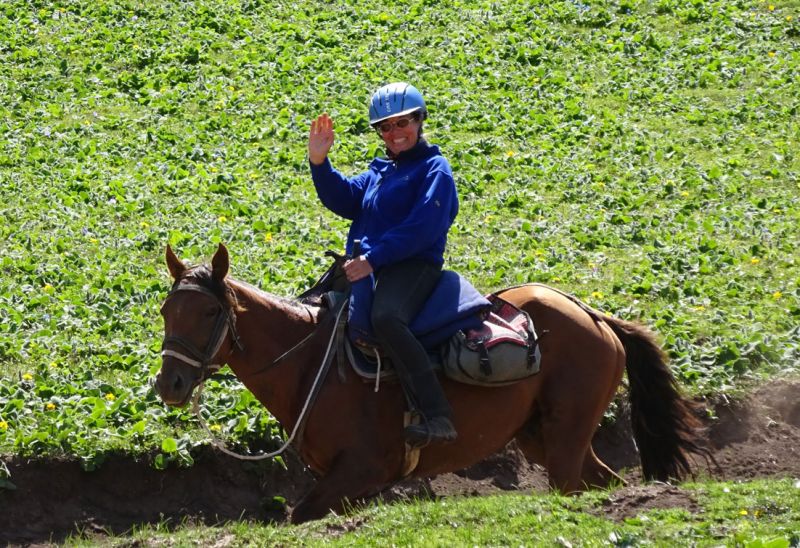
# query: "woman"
401,209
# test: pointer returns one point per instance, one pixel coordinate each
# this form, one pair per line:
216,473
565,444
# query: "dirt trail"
757,436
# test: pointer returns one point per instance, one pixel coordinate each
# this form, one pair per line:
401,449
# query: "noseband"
225,321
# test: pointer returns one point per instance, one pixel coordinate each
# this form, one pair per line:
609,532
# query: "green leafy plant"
639,155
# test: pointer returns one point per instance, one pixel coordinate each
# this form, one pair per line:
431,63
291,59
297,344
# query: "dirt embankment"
757,436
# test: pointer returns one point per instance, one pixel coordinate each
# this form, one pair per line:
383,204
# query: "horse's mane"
202,275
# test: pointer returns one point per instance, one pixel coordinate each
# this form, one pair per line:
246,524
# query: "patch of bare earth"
755,436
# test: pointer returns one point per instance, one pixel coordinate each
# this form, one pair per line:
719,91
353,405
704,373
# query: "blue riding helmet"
395,99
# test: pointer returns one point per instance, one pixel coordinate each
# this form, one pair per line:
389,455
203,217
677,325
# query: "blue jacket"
400,209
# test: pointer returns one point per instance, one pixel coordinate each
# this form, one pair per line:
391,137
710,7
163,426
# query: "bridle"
202,359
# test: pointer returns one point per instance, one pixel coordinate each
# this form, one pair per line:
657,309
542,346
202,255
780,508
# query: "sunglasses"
386,127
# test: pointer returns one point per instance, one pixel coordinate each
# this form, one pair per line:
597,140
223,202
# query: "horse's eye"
210,312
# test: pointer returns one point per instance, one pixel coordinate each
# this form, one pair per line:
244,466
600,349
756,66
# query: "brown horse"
353,438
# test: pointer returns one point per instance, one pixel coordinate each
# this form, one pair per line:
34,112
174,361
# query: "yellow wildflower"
510,153
771,7
268,237
700,308
777,295
145,225
684,193
597,295
3,425
788,17
110,397
27,377
93,240
215,428
50,406
213,169
742,512
755,260
48,288
53,365
222,218
771,54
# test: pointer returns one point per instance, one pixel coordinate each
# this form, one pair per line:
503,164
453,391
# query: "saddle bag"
502,351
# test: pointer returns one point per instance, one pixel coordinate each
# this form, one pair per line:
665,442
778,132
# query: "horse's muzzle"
174,387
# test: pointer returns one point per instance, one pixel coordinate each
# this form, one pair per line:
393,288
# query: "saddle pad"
453,305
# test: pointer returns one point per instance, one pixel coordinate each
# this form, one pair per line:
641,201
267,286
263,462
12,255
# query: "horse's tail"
665,426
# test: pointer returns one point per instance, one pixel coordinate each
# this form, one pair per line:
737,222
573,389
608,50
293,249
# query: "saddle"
478,340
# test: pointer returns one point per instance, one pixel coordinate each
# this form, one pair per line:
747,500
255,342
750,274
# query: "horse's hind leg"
558,436
529,439
561,455
568,424
595,473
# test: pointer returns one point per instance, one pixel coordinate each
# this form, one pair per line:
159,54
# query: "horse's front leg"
353,474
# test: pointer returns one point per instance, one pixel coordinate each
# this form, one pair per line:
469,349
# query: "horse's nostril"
177,384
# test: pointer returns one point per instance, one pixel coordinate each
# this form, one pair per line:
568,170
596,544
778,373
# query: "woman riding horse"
401,209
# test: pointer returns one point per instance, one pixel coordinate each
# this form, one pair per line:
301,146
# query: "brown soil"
756,436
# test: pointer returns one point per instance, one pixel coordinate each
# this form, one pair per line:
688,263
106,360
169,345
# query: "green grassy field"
753,515
642,155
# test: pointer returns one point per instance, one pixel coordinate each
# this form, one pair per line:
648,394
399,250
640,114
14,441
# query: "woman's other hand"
320,139
358,268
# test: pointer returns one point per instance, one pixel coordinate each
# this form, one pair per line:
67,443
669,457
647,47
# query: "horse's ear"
220,263
174,264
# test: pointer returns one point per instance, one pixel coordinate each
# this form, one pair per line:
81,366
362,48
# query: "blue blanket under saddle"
453,305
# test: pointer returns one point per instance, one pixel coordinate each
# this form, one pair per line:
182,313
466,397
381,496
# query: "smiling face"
399,139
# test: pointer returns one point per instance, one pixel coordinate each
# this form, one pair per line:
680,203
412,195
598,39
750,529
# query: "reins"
299,425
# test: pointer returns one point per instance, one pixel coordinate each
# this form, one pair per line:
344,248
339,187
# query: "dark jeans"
400,291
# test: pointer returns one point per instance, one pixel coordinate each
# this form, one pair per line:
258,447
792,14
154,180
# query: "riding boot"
422,385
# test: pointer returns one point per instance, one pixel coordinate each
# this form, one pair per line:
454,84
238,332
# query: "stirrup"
413,433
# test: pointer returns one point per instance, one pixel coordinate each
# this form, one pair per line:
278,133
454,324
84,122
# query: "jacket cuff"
373,259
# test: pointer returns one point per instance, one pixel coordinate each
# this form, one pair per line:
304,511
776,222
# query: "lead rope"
219,444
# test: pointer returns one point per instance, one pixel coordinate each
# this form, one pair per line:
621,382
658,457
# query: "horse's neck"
268,327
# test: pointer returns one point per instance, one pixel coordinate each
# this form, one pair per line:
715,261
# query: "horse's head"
199,326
